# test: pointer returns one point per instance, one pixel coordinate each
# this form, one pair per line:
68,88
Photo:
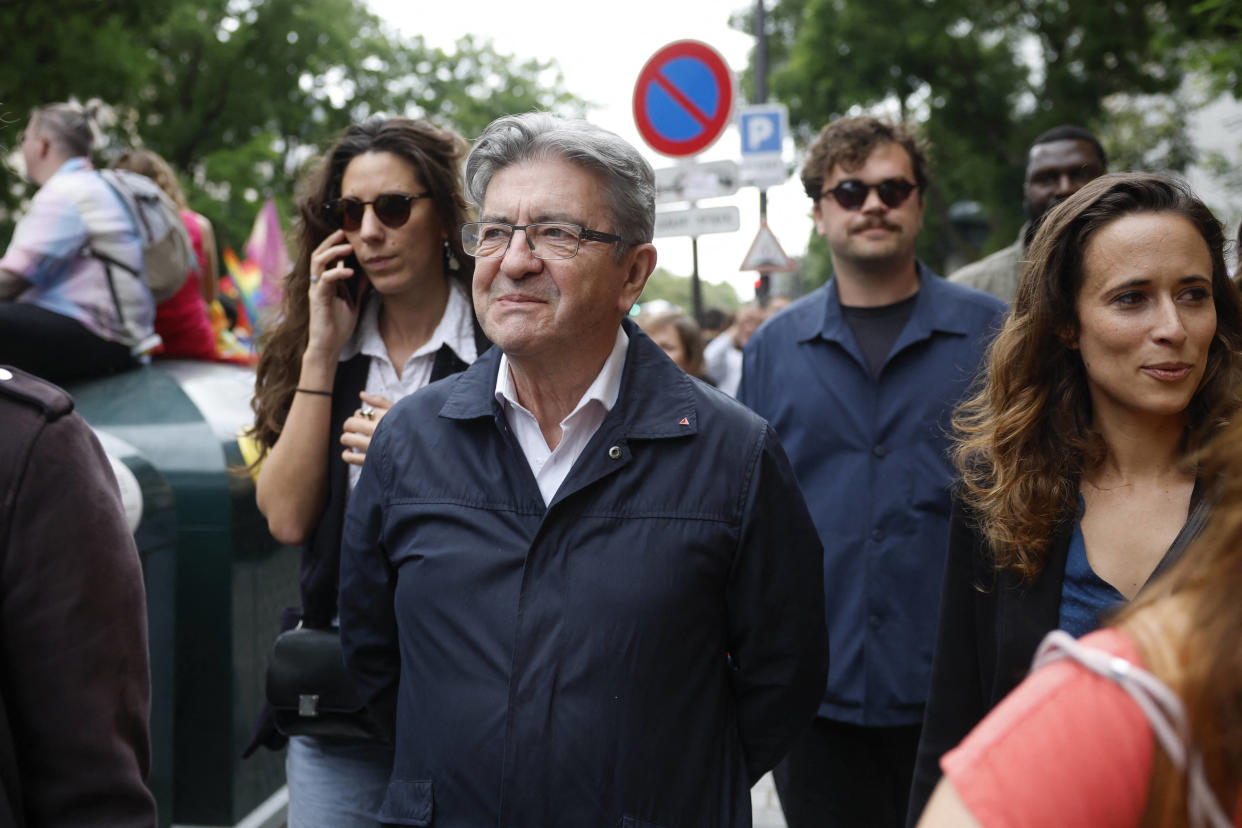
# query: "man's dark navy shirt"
871,456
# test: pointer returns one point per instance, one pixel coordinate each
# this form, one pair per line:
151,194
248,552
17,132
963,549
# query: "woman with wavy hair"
1156,743
376,307
1117,363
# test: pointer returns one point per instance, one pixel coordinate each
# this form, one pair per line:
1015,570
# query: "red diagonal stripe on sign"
686,104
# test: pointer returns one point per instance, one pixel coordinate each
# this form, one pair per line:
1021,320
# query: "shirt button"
874,621
615,452
879,451
877,535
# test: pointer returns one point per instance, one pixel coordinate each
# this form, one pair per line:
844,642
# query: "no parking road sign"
683,98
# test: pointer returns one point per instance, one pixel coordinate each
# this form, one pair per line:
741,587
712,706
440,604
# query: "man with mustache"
585,584
1059,162
859,379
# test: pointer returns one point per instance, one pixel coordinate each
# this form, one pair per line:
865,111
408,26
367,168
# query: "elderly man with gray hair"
582,587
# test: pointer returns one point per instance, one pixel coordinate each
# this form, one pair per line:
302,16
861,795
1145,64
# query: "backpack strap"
1164,711
108,261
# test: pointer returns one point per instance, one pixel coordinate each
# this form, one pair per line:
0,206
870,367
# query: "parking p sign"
763,128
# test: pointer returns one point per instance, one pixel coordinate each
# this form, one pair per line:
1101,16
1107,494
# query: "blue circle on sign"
696,83
683,98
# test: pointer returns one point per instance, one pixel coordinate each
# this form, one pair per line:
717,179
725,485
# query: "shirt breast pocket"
928,477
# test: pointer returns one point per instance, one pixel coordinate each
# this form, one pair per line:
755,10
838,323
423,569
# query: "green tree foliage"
1214,27
980,79
677,289
239,94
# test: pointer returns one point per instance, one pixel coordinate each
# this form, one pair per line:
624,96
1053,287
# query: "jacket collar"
935,310
656,395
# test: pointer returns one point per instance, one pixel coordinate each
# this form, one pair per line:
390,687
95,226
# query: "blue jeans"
336,785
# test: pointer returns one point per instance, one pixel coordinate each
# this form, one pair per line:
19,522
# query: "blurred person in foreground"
75,681
1058,163
182,320
376,307
679,336
1142,725
858,378
1119,360
585,587
64,314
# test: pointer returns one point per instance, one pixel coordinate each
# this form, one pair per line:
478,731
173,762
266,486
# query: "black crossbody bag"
311,692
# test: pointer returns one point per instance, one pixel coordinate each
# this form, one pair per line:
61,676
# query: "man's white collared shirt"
551,466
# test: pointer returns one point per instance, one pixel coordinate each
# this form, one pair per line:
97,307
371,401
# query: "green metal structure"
216,580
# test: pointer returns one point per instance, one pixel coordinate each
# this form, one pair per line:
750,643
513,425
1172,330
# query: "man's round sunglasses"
852,194
392,209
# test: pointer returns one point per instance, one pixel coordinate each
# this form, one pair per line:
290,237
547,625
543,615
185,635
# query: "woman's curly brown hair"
1024,437
436,155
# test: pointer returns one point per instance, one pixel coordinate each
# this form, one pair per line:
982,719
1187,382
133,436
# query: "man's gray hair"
629,183
66,125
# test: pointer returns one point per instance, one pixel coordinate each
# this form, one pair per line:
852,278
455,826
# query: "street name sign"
697,221
689,181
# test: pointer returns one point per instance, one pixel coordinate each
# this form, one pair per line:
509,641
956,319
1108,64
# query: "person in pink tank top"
182,320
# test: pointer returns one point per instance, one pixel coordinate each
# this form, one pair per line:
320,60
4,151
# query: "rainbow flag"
234,343
257,279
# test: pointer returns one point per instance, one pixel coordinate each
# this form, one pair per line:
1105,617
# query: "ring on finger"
314,279
367,412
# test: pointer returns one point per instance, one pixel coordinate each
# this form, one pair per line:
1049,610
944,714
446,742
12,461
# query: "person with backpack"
66,313
182,321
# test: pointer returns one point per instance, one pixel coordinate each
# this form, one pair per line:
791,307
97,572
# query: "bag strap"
108,261
1164,711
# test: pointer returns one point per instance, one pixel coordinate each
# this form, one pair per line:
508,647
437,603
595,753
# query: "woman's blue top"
1085,596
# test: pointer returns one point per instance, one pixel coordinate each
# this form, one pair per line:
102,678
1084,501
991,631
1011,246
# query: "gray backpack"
167,254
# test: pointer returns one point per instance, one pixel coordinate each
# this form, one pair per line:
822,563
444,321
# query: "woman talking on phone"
1118,362
376,307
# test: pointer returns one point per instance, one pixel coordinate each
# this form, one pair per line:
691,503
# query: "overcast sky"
601,48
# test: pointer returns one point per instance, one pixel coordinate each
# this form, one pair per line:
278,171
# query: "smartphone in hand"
352,288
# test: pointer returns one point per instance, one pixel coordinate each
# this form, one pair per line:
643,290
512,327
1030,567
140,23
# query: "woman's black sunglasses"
851,193
393,209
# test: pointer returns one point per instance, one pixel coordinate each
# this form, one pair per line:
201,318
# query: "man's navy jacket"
637,653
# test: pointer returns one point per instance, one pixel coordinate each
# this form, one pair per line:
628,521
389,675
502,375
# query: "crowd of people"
579,569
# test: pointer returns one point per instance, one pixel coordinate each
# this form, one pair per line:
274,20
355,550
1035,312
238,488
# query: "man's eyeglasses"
547,240
392,209
852,194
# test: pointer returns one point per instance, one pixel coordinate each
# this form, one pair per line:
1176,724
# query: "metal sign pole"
696,291
761,96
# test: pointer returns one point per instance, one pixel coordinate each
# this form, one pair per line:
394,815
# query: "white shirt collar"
604,389
450,330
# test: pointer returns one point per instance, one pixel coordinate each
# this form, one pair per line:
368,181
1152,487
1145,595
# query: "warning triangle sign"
766,254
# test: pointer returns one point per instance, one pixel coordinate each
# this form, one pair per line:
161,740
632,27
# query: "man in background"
723,355
859,378
1059,162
